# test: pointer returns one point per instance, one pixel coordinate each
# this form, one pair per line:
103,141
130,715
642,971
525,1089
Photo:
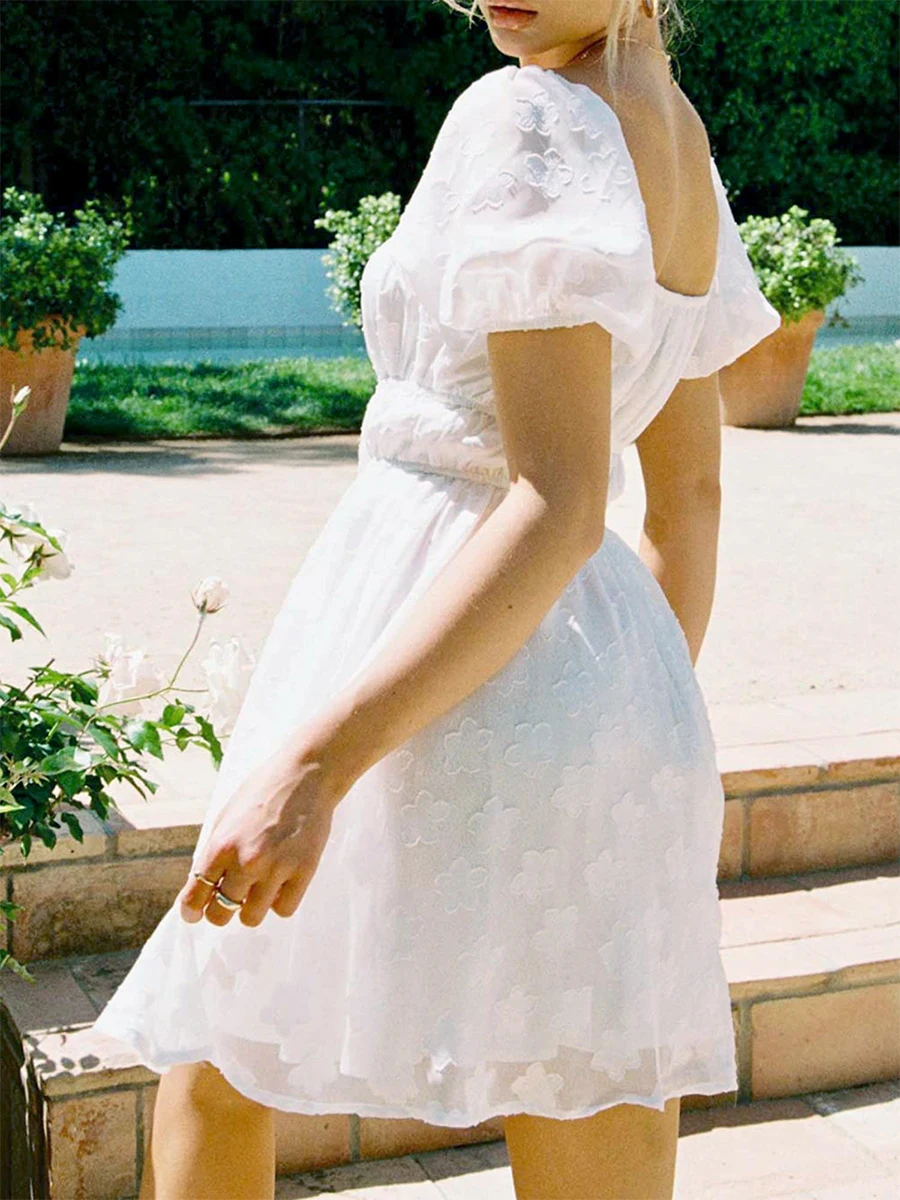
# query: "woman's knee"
203,1086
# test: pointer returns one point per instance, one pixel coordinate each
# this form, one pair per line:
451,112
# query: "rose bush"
66,737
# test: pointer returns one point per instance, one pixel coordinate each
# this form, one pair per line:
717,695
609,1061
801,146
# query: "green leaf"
105,739
25,615
143,735
70,783
173,714
209,735
71,819
83,689
70,758
8,623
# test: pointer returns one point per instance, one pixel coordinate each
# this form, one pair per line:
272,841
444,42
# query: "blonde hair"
622,18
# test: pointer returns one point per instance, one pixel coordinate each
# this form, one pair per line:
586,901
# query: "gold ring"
226,901
197,875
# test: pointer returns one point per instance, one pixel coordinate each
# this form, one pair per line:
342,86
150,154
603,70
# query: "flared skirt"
516,910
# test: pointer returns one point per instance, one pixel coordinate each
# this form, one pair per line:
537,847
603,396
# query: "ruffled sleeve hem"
737,315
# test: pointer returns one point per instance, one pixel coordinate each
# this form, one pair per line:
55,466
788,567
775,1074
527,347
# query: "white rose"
210,594
131,674
55,564
228,669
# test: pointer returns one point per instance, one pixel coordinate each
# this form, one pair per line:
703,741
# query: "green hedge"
799,97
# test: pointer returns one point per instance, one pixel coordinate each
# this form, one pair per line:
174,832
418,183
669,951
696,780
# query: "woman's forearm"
476,614
682,555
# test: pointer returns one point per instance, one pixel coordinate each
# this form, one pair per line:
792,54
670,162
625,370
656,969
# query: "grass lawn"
248,399
315,395
852,379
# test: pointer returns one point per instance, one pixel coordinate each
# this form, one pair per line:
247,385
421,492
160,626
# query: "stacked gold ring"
219,896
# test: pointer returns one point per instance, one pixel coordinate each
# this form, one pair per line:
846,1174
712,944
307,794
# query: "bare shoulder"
669,146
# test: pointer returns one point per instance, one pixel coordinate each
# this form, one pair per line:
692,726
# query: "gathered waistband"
442,433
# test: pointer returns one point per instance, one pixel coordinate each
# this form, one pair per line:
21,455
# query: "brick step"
813,964
828,802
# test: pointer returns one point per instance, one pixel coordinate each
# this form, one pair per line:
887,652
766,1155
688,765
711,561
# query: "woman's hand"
266,842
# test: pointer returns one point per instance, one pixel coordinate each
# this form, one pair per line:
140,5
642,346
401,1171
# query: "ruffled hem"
704,1085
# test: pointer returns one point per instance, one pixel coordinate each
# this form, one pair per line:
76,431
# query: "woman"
470,813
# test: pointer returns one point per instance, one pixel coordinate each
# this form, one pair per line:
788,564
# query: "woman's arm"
552,391
680,453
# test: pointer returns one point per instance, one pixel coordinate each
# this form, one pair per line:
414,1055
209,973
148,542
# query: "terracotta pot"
48,373
763,387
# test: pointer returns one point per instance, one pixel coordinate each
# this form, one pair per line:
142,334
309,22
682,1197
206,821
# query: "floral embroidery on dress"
496,191
537,1086
537,113
539,874
465,748
578,790
532,747
548,172
420,820
604,176
576,689
493,825
613,1057
460,885
514,1013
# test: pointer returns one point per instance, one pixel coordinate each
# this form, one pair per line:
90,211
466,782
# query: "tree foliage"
101,99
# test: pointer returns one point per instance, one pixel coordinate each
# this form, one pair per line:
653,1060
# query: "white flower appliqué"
493,826
536,1087
548,172
464,748
533,746
495,191
419,820
538,874
537,113
459,886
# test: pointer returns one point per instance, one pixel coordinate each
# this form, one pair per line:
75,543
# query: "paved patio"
808,586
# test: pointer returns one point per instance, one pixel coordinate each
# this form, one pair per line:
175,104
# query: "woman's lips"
509,17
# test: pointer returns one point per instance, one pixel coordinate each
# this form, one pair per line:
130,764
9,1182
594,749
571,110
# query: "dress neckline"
689,299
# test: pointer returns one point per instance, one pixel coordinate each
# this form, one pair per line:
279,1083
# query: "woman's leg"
208,1140
626,1152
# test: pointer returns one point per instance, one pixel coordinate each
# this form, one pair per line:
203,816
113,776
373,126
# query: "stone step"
813,963
811,783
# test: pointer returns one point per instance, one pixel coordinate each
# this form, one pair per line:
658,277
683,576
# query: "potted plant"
357,235
66,737
800,270
54,290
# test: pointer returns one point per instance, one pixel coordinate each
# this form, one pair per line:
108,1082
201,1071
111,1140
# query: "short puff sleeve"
530,214
737,315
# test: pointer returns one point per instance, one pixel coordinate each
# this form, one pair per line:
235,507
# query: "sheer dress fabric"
517,909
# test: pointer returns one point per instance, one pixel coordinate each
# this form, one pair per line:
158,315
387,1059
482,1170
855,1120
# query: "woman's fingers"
197,893
287,901
235,884
260,899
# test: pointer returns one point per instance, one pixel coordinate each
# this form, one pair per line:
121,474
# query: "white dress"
517,909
